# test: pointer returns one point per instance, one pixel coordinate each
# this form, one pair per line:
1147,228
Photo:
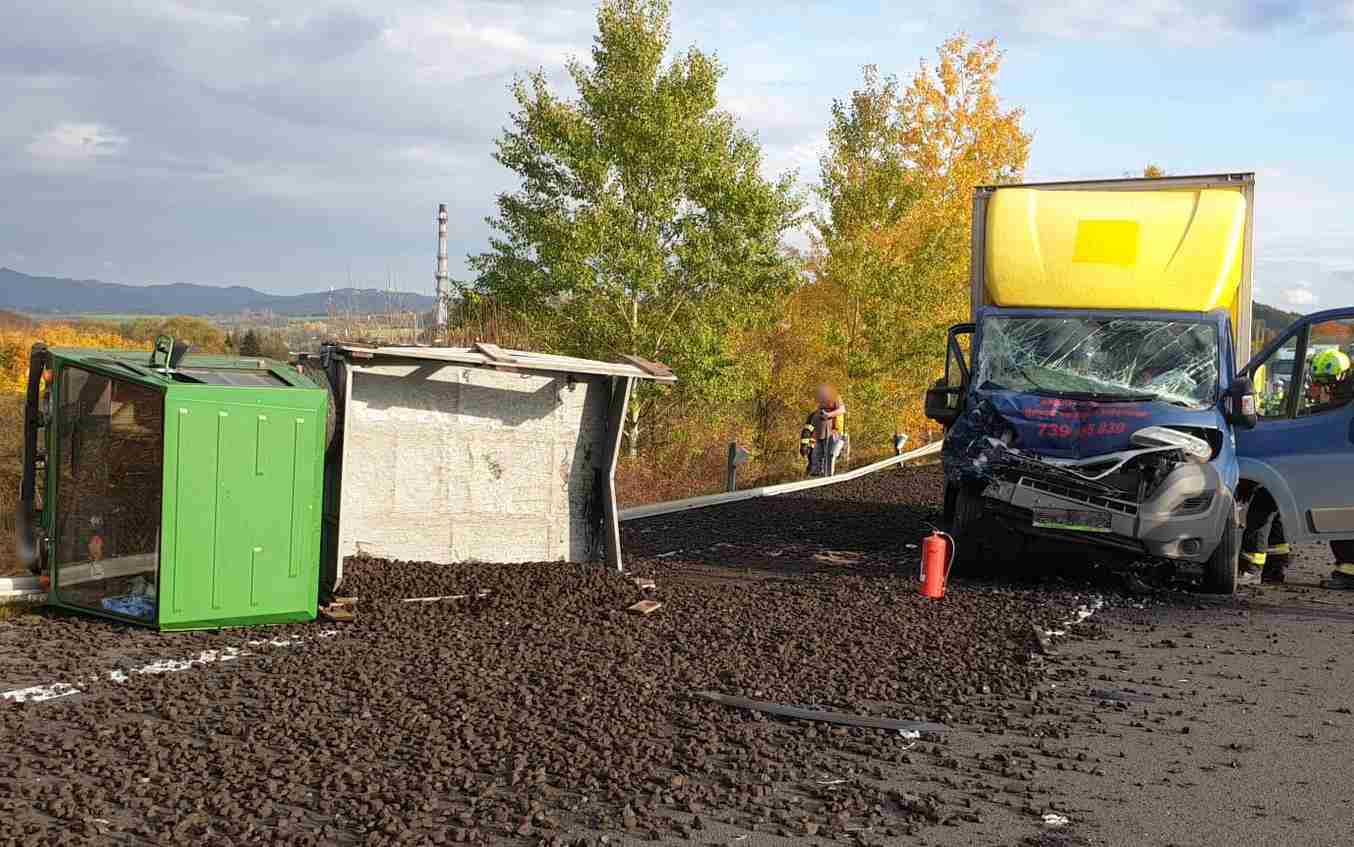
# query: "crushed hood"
1053,428
1072,429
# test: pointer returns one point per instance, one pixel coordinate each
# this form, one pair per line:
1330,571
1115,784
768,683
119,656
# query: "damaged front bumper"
1183,519
1151,498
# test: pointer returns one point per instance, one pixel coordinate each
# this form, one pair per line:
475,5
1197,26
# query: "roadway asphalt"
1235,721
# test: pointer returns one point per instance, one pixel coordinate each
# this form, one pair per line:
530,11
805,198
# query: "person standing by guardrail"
806,439
829,434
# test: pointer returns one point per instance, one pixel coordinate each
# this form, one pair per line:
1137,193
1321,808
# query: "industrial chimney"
443,281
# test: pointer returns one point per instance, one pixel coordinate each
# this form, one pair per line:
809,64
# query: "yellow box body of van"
1172,248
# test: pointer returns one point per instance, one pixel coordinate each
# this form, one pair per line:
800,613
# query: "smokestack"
443,280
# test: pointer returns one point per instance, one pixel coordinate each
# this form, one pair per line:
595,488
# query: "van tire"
974,555
1220,571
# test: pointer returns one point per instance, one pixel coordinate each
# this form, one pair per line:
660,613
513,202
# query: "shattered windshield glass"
1175,361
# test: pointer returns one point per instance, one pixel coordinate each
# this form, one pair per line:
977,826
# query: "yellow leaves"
15,345
893,253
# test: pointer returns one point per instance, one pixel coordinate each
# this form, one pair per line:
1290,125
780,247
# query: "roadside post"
737,456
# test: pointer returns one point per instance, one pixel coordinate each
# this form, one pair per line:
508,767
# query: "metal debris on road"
841,718
436,597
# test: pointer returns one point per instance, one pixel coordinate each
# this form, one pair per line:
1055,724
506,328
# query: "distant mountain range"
49,295
1275,320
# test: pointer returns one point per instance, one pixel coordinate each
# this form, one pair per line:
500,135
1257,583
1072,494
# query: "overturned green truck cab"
172,490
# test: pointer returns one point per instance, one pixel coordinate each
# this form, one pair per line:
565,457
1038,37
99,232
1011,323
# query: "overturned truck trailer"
473,454
1093,397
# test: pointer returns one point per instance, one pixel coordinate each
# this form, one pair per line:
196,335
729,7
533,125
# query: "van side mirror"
1240,405
944,403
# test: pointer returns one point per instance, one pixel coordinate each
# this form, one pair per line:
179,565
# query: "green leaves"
642,223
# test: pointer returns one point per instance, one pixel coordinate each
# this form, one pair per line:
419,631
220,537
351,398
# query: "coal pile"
528,706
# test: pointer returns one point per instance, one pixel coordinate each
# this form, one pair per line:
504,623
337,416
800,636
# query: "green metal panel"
241,522
243,469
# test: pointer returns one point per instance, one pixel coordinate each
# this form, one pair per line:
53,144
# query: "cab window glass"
1328,378
108,493
1273,379
954,375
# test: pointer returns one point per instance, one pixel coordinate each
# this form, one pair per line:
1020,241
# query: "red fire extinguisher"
935,566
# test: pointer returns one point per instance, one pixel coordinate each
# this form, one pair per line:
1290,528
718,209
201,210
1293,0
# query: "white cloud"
1181,22
76,141
320,136
1300,294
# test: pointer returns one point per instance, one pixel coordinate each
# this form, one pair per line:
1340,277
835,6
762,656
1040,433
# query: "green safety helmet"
1330,365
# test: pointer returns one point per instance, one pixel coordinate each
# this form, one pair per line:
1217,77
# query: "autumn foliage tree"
893,235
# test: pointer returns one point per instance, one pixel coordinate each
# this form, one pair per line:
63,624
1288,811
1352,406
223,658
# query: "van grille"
1070,493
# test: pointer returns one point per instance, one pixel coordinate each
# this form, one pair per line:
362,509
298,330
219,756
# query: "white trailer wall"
447,462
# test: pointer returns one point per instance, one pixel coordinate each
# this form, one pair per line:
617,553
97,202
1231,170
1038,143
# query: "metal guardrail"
653,509
21,589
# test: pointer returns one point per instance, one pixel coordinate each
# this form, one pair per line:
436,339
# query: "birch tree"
643,223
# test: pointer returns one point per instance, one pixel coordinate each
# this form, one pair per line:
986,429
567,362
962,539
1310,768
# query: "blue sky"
293,146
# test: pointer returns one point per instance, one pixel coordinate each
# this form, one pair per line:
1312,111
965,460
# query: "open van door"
945,400
1302,448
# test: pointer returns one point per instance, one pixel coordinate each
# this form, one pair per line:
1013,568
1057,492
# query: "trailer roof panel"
492,356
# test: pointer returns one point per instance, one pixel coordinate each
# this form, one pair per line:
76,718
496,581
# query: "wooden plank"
841,718
494,352
645,607
671,506
650,368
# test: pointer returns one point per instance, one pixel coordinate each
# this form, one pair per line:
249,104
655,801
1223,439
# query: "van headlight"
1163,436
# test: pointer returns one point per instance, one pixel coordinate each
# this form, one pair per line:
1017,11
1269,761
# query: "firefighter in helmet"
1265,551
806,441
1330,372
1333,385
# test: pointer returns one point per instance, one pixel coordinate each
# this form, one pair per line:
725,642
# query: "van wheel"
974,555
1221,570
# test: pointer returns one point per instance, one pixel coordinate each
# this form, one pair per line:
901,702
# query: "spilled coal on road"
527,705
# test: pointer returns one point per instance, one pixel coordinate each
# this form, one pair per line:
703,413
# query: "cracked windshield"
1102,358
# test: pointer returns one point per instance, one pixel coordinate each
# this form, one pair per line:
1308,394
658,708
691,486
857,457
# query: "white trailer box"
475,454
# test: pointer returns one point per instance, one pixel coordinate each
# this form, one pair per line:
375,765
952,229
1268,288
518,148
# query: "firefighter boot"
1255,547
1277,556
1276,564
1343,575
